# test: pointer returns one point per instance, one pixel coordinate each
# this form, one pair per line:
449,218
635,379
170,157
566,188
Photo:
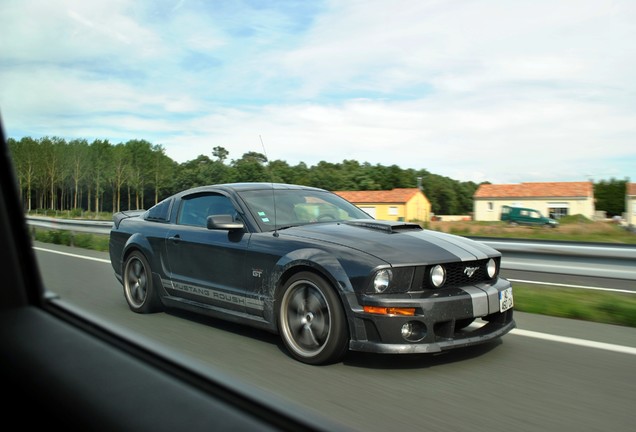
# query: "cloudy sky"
475,90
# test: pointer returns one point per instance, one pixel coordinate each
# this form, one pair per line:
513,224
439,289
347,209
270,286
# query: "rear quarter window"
160,212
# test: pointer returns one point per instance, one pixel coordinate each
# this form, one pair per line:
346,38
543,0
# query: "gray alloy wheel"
138,287
311,320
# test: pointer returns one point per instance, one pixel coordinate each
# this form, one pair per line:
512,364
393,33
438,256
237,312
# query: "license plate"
505,299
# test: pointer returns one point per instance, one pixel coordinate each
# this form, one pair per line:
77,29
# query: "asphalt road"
549,374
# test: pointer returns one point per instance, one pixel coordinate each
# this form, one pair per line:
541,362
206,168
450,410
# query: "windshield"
275,209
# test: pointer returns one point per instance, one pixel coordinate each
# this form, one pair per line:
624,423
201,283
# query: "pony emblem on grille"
470,271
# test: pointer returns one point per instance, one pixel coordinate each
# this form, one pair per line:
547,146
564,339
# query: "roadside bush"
67,238
54,236
575,219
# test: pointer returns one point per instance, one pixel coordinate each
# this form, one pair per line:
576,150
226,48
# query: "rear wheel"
311,320
138,287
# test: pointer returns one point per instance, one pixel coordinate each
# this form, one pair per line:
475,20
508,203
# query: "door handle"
175,238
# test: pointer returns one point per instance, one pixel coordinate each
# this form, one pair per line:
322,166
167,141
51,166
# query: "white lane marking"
72,255
575,341
520,332
574,286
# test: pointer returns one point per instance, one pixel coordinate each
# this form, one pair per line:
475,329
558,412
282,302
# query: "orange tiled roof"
631,189
399,195
536,190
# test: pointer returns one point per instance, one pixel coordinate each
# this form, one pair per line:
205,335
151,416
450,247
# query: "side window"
160,212
195,209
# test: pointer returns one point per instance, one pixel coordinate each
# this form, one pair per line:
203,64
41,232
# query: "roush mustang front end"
457,301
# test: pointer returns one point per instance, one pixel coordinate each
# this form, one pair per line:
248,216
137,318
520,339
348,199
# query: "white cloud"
485,90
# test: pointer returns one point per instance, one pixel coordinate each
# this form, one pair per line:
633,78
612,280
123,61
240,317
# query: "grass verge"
68,238
589,305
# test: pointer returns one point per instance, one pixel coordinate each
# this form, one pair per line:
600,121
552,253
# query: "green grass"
589,305
575,229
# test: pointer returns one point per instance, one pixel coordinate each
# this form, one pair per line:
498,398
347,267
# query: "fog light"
413,331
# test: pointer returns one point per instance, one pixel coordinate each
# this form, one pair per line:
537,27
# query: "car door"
205,265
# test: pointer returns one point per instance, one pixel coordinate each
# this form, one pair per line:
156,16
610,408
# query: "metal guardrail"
546,247
583,259
75,225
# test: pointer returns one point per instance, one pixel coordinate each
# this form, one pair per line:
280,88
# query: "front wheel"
138,287
311,320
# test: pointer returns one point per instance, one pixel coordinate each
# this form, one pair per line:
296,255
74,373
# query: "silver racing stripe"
479,299
485,299
214,294
459,247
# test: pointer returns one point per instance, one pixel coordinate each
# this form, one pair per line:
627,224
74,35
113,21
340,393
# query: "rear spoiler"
120,216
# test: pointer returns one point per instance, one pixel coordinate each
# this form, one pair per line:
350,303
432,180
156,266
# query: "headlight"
491,268
382,280
438,276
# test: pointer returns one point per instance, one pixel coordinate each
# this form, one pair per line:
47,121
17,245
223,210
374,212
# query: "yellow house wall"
417,208
382,211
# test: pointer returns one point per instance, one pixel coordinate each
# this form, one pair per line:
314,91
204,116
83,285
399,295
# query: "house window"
393,211
490,206
558,210
557,213
369,210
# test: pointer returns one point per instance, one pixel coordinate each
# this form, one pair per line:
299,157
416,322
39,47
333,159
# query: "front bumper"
437,318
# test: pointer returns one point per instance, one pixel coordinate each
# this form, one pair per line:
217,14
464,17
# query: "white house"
554,199
630,204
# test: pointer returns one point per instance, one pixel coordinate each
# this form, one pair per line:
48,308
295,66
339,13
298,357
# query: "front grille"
458,275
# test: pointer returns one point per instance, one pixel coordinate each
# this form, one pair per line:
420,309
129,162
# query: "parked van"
526,216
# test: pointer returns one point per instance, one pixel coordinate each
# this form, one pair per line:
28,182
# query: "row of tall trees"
100,176
59,175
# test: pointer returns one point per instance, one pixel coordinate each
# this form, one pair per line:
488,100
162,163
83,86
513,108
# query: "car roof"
247,186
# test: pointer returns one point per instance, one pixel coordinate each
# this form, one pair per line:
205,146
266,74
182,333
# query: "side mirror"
224,222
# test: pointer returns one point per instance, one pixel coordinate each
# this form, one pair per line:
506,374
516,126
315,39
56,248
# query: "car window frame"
47,344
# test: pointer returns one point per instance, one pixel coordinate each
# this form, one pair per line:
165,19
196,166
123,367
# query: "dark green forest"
59,175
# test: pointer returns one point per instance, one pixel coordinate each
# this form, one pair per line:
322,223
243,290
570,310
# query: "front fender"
322,263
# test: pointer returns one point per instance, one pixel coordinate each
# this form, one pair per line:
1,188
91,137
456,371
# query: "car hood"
396,243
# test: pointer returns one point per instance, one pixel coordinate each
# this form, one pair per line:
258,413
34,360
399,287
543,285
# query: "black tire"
311,320
139,290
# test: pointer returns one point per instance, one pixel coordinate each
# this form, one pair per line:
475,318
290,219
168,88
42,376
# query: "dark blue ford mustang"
306,264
